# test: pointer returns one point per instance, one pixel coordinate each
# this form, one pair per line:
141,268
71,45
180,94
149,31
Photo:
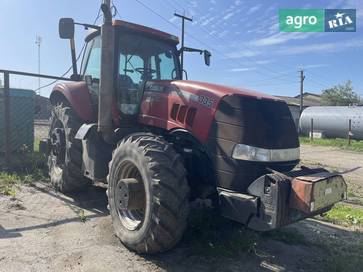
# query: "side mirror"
207,56
66,28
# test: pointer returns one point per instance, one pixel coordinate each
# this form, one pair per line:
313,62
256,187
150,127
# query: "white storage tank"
333,121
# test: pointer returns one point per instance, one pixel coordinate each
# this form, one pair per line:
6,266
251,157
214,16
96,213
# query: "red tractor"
159,142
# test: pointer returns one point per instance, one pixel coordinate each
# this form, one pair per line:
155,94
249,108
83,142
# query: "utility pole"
302,78
38,41
183,17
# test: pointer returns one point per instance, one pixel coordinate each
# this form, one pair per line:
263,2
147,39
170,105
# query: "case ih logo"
340,20
317,20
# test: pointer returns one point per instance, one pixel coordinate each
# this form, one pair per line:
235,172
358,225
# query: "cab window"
142,58
93,64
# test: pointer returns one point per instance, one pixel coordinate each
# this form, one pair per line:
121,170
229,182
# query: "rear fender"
77,95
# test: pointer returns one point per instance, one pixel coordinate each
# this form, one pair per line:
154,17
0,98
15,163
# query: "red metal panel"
220,90
301,195
77,94
157,108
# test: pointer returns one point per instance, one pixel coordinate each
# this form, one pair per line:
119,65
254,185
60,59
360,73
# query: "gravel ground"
337,159
42,230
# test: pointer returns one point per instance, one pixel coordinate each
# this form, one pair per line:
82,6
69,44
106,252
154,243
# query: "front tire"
154,218
65,158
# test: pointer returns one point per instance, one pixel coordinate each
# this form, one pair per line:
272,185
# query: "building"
309,100
42,108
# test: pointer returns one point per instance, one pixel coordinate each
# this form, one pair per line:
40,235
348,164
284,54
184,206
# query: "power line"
176,7
244,45
178,4
78,57
188,34
65,73
248,48
157,14
276,84
115,10
219,39
97,16
175,26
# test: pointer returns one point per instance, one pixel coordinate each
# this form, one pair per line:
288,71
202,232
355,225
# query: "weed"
26,167
341,143
9,191
351,194
8,183
345,214
82,216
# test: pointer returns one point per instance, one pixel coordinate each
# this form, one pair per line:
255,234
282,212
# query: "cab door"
91,69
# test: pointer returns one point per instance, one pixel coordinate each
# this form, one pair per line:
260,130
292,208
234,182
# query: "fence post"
349,131
312,129
7,117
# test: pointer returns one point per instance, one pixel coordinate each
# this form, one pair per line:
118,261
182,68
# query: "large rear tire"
65,158
148,165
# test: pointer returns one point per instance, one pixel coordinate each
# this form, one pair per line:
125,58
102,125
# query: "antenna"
38,41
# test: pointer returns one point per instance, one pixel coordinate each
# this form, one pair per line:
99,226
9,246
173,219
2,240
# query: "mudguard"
78,97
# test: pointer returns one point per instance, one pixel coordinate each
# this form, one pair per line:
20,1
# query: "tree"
340,95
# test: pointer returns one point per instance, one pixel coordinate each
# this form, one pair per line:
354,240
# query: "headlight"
251,153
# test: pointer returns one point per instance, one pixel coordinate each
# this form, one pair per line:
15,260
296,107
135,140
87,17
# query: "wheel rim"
58,144
131,218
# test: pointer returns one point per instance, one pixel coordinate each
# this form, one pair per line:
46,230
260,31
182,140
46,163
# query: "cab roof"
147,30
141,29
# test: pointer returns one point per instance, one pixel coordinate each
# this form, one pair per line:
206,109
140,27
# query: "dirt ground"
337,159
42,230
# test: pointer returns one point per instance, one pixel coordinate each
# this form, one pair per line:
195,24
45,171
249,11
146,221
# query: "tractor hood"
192,105
219,91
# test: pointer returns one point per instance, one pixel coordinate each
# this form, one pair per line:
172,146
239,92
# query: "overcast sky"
247,47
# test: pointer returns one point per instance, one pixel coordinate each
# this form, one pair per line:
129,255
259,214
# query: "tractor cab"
137,55
141,54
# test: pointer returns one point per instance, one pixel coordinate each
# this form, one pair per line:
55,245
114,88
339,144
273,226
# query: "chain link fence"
24,120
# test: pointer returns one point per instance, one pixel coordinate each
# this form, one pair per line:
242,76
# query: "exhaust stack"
106,80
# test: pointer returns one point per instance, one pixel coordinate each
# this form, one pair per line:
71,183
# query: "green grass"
341,143
11,181
351,194
36,145
345,215
26,167
8,183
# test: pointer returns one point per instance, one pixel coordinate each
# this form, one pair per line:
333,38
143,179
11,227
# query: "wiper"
138,47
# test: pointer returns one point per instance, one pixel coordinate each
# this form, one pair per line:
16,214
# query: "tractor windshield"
143,58
140,59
